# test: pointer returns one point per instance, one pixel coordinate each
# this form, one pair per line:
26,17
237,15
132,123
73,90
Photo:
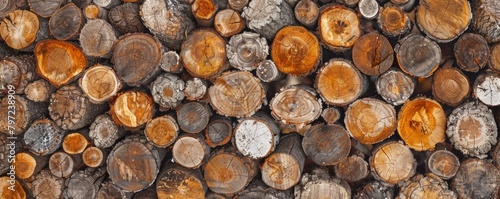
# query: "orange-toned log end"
94,157
236,94
495,57
393,21
204,11
450,86
228,22
19,28
178,182
74,143
59,61
25,165
11,189
62,165
132,109
443,29
429,186
370,120
47,186
91,11
443,163
392,163
422,123
339,27
100,83
296,51
162,131
339,82
373,54
203,54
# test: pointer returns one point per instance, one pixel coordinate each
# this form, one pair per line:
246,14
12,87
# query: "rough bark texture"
474,172
266,17
104,132
319,184
485,20
109,190
257,189
375,189
246,50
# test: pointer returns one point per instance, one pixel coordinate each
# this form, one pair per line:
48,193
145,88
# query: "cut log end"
318,183
178,182
373,54
395,87
66,22
331,115
471,52
46,186
475,172
190,151
485,88
62,165
393,21
97,38
339,27
193,117
261,140
46,131
352,169
94,157
104,132
246,50
168,91
204,11
228,22
132,109
100,83
392,163
307,13
317,144
369,9
443,163
16,192
39,91
19,29
494,62
268,72
450,86
418,55
196,89
162,131
429,186
219,131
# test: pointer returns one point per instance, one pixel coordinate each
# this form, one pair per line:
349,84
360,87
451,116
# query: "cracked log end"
317,144
373,54
339,27
392,163
179,182
19,28
450,86
418,55
393,21
162,131
100,83
132,109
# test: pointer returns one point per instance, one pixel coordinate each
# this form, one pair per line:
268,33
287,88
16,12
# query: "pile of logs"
249,99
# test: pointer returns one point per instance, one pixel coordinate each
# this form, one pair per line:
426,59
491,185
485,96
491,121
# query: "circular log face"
193,117
429,186
443,163
443,21
422,124
188,152
450,86
98,39
254,138
471,52
203,54
395,87
295,51
132,166
175,183
226,173
339,27
495,57
418,56
61,164
370,120
296,105
476,178
19,28
18,192
58,61
393,21
162,131
236,94
373,54
318,144
136,57
100,83
24,165
93,157
132,109
281,171
67,107
74,143
21,122
486,88
66,22
392,163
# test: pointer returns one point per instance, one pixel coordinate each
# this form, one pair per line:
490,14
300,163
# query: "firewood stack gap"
244,99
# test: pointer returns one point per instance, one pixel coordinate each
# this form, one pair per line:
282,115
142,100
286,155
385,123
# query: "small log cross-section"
179,182
219,131
104,132
422,123
485,20
339,82
27,164
472,129
94,157
257,189
246,50
418,55
331,115
450,86
97,38
318,183
443,163
352,169
84,184
370,120
136,58
283,168
75,143
317,144
471,52
132,109
339,27
443,29
236,94
71,109
228,22
266,17
373,54
62,165
47,186
494,61
256,136
167,90
23,111
228,171
92,11
100,83
190,151
17,71
307,13
171,62
375,189
19,29
296,106
369,9
393,21
66,22
162,131
296,51
204,11
134,163
392,163
59,62
429,186
476,178
43,137
268,72
486,88
195,89
125,18
193,117
395,87
39,90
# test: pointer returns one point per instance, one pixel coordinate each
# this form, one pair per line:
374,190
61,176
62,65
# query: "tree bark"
257,189
370,120
228,22
136,58
428,186
375,189
392,163
283,168
485,20
443,164
246,50
268,72
125,18
168,91
256,136
97,38
162,131
476,178
471,128
339,27
132,109
372,54
307,13
190,151
94,157
75,143
66,22
395,87
99,83
471,52
393,21
236,94
39,90
84,184
134,163
43,137
62,165
204,11
108,190
19,29
219,131
28,164
450,86
178,182
417,55
339,82
486,88
24,113
317,144
47,186
71,109
193,117
195,58
104,132
443,29
69,63
266,17
195,89
318,183
296,51
17,71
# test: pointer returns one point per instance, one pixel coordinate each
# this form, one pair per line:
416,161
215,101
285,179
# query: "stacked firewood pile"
249,99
